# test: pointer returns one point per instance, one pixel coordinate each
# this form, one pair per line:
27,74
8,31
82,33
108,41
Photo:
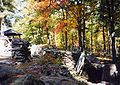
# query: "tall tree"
110,6
110,12
104,41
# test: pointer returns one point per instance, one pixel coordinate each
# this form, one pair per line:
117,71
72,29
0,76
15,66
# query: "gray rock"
27,80
8,73
58,80
37,51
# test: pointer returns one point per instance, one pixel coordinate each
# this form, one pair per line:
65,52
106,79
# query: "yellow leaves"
39,19
71,22
76,11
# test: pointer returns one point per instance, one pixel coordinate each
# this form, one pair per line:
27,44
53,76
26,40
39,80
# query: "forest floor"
44,70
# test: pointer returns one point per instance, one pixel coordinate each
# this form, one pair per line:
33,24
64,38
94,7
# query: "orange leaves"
45,6
42,5
69,24
60,26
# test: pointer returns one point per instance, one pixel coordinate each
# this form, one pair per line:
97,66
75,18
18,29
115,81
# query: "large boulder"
8,74
58,80
93,72
27,79
110,74
37,51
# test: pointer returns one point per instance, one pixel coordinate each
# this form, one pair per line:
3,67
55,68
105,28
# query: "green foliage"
38,26
7,5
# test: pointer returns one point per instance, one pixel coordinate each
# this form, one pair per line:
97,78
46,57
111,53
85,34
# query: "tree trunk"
66,40
63,40
113,32
108,34
79,21
110,5
91,39
91,42
96,42
104,42
83,31
48,36
72,41
79,35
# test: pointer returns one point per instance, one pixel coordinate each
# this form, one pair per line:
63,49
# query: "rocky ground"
44,70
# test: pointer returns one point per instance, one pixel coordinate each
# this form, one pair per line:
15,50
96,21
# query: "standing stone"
110,74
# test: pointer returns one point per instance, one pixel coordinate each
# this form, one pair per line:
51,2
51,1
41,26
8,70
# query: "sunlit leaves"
6,5
45,7
71,23
66,24
60,26
59,17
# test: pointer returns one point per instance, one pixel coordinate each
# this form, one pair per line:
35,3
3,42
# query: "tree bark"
91,42
83,30
72,41
48,36
66,40
108,34
79,35
91,39
79,21
113,32
63,40
104,41
110,5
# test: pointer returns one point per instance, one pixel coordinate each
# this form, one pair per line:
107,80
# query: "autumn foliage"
59,26
45,7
